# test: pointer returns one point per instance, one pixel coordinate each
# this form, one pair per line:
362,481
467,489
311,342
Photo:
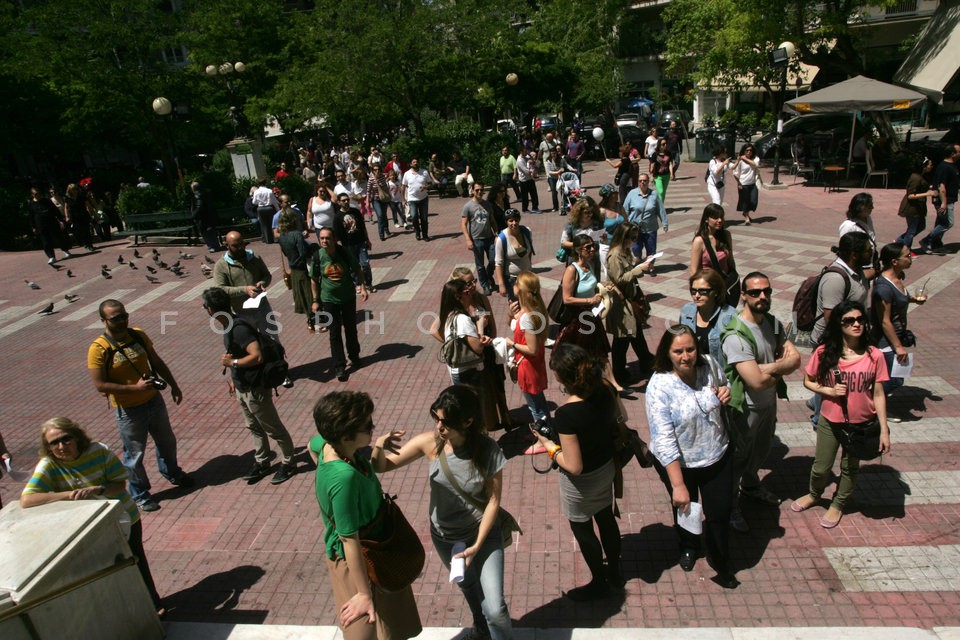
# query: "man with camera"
125,367
244,359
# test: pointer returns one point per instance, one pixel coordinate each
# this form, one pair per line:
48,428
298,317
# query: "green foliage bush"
152,199
297,188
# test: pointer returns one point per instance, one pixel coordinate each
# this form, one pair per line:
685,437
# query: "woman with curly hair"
854,396
585,427
350,496
584,219
466,479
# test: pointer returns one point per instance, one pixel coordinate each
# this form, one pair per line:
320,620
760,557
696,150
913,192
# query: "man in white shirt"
413,190
526,174
267,204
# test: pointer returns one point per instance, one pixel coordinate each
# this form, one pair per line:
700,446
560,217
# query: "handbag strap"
713,255
283,261
445,467
122,351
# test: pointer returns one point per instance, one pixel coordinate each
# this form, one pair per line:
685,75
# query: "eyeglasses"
852,320
120,317
61,441
588,247
756,293
700,292
643,180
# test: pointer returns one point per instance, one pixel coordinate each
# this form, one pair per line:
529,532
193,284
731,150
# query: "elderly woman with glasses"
466,479
644,208
73,467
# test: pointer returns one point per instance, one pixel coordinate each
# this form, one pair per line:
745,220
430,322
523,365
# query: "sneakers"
257,472
761,494
67,254
284,473
148,504
287,383
51,260
342,374
737,523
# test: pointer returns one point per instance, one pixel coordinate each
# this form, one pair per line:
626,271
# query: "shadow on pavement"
214,599
647,554
564,612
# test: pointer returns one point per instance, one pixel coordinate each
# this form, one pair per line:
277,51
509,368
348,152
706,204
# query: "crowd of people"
713,380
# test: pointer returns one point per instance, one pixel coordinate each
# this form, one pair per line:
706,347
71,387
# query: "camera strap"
122,351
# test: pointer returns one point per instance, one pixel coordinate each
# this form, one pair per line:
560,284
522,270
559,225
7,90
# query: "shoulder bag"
456,352
283,269
557,310
731,279
861,439
508,524
396,561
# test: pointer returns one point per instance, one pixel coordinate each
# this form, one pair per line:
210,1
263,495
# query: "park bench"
171,223
233,219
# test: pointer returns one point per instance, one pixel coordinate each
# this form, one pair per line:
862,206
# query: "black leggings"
592,548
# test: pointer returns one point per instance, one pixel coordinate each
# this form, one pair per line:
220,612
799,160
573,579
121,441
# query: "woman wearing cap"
612,218
513,253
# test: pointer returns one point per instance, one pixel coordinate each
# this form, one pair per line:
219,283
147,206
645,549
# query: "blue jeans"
915,224
398,217
537,404
419,215
646,244
134,424
944,222
484,247
380,208
359,252
892,384
482,584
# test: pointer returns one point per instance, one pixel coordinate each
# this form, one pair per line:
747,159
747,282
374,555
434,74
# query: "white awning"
935,59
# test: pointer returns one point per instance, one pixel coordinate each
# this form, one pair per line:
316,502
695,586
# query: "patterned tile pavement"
226,552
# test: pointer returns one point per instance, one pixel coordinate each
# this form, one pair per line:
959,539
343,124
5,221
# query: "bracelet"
554,451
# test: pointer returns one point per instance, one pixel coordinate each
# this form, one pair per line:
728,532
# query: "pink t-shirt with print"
861,376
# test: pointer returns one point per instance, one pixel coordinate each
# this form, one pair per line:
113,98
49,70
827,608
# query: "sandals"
830,524
797,507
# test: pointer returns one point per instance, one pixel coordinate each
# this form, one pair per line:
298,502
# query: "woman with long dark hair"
661,167
466,480
708,312
859,218
889,301
586,425
712,247
77,218
855,396
914,206
628,169
690,442
454,320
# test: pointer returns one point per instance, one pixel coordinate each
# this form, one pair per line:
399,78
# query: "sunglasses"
62,440
852,320
700,292
588,247
755,293
120,317
444,422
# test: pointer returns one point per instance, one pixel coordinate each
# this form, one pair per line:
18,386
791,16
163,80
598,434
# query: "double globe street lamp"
779,60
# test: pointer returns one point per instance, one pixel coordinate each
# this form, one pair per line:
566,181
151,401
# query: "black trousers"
528,192
136,548
712,487
265,216
341,316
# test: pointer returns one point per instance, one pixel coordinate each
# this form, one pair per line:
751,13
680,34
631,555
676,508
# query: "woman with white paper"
689,440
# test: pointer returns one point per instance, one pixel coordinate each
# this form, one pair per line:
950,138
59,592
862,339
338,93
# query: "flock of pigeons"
107,273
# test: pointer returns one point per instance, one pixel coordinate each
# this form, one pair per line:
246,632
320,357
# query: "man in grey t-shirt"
758,356
479,231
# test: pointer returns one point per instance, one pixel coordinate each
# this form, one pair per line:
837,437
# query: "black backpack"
805,301
274,369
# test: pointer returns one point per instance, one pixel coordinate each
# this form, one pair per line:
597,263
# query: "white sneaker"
67,254
51,260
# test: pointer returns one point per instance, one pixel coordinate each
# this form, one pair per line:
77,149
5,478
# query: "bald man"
243,275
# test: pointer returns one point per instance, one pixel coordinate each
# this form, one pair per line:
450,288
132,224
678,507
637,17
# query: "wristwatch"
236,362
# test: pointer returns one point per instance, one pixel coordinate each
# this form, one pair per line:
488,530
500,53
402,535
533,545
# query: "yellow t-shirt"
120,370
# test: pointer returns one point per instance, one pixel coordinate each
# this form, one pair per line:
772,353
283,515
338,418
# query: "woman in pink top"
712,231
844,348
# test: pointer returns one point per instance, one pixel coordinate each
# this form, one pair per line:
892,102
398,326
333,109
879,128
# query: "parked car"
630,119
628,133
546,122
827,130
507,126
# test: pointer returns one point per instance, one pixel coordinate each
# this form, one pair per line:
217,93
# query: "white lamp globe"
512,79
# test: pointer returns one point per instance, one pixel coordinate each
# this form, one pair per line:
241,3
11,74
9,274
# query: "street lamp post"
164,108
780,60
241,126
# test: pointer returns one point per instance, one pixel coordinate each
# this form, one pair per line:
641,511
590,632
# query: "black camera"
545,429
158,383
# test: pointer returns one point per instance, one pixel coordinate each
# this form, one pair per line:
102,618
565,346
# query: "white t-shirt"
322,213
341,188
416,183
746,173
651,146
463,325
714,163
863,226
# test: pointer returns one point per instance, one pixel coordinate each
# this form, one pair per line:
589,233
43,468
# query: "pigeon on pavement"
120,260
71,297
32,284
136,254
208,259
152,279
106,273
69,273
151,269
47,309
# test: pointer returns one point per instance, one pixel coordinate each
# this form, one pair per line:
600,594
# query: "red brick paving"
229,552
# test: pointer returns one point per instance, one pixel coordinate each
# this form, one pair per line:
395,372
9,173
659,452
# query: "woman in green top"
465,474
349,496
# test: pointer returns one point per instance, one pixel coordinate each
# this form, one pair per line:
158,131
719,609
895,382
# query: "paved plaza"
228,553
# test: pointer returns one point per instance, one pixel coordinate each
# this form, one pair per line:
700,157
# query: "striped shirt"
94,467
